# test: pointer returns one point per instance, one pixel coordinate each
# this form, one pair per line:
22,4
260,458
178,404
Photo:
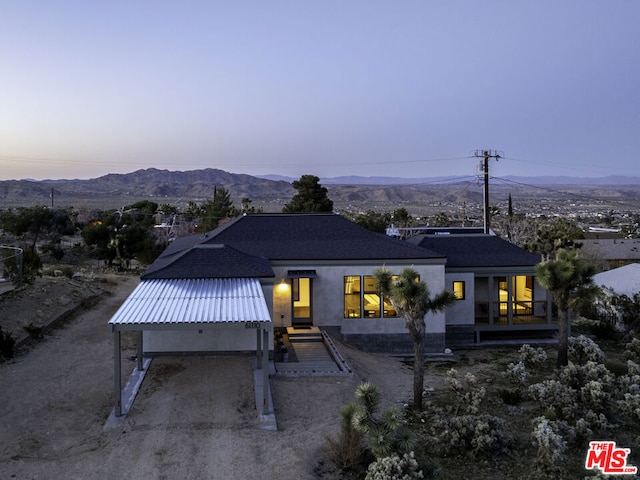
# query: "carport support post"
265,372
117,373
139,352
258,349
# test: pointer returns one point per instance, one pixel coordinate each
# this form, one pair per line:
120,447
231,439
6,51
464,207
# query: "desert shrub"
629,310
467,396
550,438
532,358
632,350
595,420
595,396
577,391
583,349
516,374
65,270
556,396
7,344
395,468
629,386
577,401
630,406
477,435
459,427
580,376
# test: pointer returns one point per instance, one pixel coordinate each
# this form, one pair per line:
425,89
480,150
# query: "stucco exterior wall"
328,303
231,338
463,311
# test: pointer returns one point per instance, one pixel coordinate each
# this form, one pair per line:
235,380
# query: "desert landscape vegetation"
501,411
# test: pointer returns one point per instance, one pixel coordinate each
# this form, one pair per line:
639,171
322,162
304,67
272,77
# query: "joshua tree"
411,298
566,278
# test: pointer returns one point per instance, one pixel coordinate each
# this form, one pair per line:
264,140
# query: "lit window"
458,290
371,297
363,299
352,297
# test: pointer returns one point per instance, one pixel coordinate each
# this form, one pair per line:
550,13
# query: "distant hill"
536,180
151,183
352,193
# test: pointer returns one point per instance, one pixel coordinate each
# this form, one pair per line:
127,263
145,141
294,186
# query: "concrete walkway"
315,354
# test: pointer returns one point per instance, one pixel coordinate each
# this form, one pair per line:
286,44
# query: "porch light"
283,286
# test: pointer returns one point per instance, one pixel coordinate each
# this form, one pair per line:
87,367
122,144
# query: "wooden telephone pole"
486,155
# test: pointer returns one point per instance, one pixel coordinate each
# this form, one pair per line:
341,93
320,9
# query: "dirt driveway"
194,417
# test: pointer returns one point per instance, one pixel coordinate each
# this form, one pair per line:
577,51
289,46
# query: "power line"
572,166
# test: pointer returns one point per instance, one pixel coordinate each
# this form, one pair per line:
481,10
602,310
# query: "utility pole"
486,155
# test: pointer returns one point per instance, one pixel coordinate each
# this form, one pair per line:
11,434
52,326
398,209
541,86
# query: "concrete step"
313,358
306,338
294,332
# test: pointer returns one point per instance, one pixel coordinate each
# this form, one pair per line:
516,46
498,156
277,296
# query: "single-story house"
312,269
209,292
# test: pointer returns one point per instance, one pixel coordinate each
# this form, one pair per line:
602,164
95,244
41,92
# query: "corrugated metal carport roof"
171,304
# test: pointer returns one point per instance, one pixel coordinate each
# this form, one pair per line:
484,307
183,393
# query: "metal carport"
194,304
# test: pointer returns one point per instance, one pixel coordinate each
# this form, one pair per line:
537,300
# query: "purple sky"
405,88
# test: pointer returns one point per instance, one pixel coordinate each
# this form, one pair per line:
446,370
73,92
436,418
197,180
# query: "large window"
363,299
352,298
372,297
521,294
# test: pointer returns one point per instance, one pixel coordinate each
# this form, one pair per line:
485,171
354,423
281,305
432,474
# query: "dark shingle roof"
477,250
245,246
312,237
209,261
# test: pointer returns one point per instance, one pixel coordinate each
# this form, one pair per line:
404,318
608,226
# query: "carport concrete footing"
266,421
128,395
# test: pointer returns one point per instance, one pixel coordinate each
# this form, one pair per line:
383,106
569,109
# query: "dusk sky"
330,88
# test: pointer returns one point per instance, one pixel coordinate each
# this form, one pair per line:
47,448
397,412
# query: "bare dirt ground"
194,417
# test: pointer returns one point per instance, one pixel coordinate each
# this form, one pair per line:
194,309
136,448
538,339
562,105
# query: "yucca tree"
411,298
387,433
565,278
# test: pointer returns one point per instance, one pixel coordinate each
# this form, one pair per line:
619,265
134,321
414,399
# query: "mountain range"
537,180
272,192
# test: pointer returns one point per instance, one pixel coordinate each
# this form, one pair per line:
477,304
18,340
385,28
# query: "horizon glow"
365,88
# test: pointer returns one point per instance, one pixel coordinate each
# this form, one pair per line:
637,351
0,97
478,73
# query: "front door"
301,301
